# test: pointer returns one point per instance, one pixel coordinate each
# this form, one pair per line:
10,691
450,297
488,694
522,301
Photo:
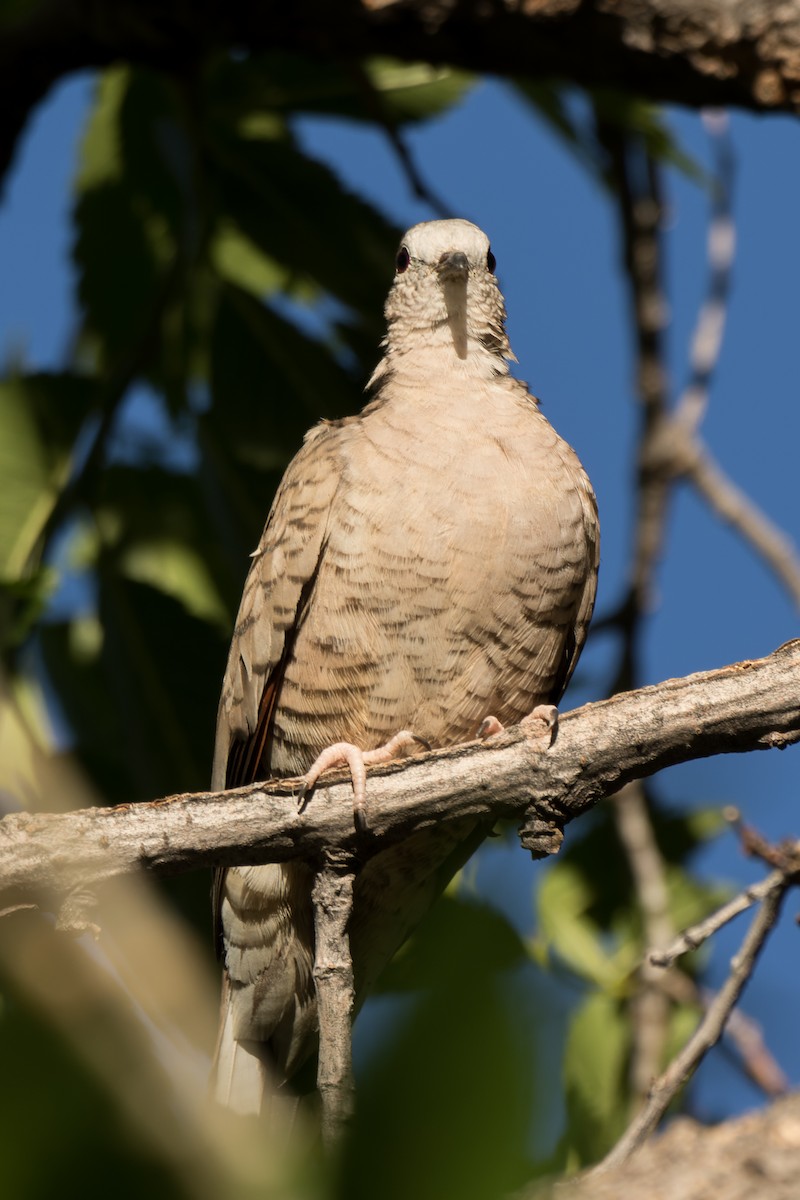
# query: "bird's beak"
453,265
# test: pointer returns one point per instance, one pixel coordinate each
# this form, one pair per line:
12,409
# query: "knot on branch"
541,835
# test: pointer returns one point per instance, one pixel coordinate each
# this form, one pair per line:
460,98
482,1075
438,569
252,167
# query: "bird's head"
445,294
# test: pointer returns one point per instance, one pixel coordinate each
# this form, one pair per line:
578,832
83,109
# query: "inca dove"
426,564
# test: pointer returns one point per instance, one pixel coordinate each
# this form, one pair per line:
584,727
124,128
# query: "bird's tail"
241,1076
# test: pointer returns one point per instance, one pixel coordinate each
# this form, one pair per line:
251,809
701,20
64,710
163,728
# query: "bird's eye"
491,262
402,260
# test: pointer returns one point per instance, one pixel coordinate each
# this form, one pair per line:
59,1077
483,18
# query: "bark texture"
694,52
753,705
757,1155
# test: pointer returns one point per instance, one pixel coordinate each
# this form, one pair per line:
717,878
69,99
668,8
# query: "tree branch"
600,747
333,979
695,52
695,935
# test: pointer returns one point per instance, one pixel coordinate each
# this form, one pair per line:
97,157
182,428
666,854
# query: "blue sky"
555,238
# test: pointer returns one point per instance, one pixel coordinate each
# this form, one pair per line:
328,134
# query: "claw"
489,726
346,754
548,713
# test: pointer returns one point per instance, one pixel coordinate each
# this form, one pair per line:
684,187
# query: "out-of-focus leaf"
627,113
563,900
40,417
238,260
596,1053
100,161
130,217
287,83
442,1109
269,381
690,899
142,705
177,570
632,115
153,525
549,101
594,849
451,930
267,185
88,1150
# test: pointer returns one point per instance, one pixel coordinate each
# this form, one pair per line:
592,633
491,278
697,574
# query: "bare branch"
731,504
740,52
743,1035
695,935
376,108
710,327
650,1003
705,1036
752,1053
333,978
637,185
600,747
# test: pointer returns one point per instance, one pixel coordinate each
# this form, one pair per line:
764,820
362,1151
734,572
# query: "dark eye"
402,260
491,262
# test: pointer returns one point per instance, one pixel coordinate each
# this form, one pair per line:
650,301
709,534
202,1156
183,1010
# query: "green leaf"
141,697
277,82
690,899
270,381
265,186
239,261
598,1045
635,116
132,217
40,417
448,934
627,113
100,154
563,900
443,1104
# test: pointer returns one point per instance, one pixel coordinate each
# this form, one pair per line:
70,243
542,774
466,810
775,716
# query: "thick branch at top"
694,52
600,747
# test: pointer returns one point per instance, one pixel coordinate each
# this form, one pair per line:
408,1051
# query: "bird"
427,571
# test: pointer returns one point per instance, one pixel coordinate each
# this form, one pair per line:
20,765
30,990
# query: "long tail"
240,1077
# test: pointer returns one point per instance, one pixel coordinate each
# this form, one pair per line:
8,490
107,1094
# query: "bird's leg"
346,754
543,713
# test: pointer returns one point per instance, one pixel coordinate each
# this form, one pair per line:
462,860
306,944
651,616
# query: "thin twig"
332,898
377,109
752,1055
706,1035
743,1035
650,1005
695,935
636,181
731,504
711,319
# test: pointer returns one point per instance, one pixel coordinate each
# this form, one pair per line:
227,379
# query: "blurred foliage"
219,318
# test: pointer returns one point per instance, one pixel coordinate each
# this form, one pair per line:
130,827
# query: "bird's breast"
446,570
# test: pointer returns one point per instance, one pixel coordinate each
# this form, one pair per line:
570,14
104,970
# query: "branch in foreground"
755,1155
742,52
752,705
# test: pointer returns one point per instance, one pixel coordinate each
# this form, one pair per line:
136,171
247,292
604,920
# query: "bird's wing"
276,596
577,635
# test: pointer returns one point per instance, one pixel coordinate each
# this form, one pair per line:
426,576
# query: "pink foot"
546,713
346,754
